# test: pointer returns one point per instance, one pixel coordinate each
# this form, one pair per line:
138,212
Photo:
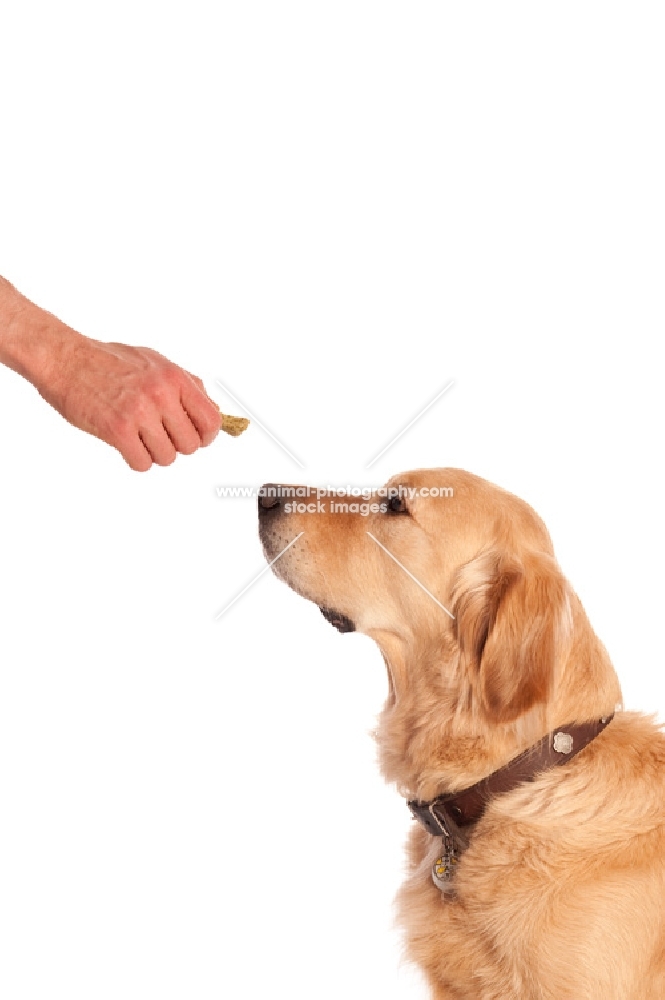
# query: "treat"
232,425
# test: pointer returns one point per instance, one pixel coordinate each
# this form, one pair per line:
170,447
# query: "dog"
537,870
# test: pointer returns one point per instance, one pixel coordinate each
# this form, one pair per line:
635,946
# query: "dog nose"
269,497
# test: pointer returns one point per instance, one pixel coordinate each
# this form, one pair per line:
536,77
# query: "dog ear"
508,615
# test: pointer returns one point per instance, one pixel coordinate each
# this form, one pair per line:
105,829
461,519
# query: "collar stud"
563,743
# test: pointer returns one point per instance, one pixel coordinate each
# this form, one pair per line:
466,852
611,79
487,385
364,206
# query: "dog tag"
443,868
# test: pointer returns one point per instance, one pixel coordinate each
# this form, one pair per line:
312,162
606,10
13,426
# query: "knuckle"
119,427
161,387
171,376
137,409
159,393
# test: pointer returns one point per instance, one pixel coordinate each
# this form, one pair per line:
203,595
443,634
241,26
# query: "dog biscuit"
232,425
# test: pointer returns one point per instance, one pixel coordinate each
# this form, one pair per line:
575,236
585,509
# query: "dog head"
456,581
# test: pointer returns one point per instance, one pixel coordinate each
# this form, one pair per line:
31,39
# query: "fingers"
141,447
198,381
200,409
158,444
182,432
124,436
181,424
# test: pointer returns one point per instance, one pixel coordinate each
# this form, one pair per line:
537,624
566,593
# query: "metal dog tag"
443,868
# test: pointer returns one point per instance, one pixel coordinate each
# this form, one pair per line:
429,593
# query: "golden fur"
561,893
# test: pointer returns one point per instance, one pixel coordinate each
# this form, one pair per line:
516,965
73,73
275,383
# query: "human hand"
131,397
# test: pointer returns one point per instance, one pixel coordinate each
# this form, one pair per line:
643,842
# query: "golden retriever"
558,892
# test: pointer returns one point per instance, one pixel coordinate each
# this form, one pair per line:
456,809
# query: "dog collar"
453,816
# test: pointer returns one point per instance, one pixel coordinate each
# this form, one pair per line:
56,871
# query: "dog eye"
397,505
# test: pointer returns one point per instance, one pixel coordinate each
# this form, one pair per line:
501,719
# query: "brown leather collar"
453,815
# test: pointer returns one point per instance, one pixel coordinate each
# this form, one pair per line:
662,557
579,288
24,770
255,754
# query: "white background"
334,209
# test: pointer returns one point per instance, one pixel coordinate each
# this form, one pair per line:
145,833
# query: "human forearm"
33,342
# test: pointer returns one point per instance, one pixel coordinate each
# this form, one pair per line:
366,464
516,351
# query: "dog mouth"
336,618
